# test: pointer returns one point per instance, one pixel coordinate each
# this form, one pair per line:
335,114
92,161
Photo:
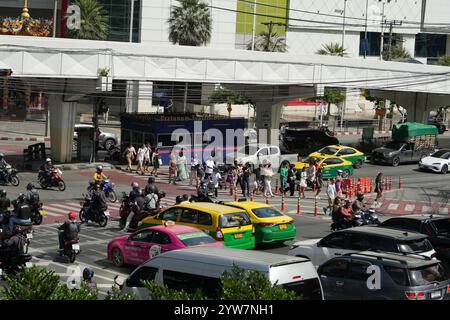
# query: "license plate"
29,236
238,235
28,264
436,294
282,226
42,212
107,213
75,247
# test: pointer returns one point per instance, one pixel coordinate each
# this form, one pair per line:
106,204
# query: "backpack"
23,212
34,196
71,230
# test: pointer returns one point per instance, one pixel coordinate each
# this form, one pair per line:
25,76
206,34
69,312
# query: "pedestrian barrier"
276,187
298,205
282,202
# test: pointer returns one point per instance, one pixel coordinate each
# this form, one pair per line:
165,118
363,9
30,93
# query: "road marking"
52,209
426,209
58,205
393,206
410,207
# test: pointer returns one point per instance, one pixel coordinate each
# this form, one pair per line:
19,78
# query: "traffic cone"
316,211
298,205
399,183
276,187
282,202
267,198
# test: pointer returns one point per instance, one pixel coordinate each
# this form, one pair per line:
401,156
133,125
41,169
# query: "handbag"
160,161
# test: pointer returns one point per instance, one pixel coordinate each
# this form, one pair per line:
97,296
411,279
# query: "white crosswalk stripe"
410,207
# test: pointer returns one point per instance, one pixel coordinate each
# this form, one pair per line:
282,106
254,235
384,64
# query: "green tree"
444,61
158,292
190,23
94,21
331,96
269,42
225,95
397,53
332,49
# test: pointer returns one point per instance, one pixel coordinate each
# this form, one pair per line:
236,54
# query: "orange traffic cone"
276,187
282,202
316,211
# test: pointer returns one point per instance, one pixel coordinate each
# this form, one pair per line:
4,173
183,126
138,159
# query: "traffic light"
5,72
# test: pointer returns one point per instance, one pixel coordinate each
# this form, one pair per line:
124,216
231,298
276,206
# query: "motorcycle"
98,215
37,213
11,264
324,128
368,217
108,187
204,194
125,209
9,175
71,249
56,180
361,218
128,206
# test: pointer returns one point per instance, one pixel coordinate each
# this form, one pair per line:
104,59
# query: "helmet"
72,215
99,168
48,160
340,171
151,180
88,274
135,185
30,186
2,193
185,197
21,198
178,199
2,155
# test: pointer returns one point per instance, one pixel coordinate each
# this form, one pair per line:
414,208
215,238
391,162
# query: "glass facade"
430,45
373,43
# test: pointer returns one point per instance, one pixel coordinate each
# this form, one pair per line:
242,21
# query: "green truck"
411,141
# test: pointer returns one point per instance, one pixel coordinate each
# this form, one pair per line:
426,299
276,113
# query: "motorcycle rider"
358,205
151,186
70,229
13,246
136,196
31,195
341,213
3,165
98,200
99,176
5,203
21,214
46,170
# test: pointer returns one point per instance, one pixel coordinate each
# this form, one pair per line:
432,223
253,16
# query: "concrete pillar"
62,122
268,116
139,97
409,43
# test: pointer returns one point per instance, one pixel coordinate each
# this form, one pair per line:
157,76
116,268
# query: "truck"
256,154
410,143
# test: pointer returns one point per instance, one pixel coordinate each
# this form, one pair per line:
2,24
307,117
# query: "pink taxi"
146,243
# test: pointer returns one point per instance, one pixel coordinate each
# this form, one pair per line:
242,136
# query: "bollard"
276,187
231,190
298,205
235,197
267,198
390,183
282,202
316,211
251,196
399,183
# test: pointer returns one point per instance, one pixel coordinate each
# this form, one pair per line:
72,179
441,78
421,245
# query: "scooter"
56,180
9,175
11,265
108,187
71,249
368,216
355,221
87,214
139,215
125,209
37,213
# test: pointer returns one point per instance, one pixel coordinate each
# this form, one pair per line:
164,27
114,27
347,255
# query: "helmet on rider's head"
135,185
2,155
88,274
21,197
2,193
48,160
151,180
99,169
178,199
72,215
360,196
340,171
30,186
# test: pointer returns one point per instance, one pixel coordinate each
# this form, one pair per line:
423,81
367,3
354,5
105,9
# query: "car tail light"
415,295
253,231
219,235
448,289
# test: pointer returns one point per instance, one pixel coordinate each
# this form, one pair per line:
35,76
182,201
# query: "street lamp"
343,21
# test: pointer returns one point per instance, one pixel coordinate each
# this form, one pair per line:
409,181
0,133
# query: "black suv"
436,227
400,277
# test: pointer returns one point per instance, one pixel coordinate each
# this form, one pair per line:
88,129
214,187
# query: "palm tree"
190,23
332,49
397,53
269,42
444,61
94,21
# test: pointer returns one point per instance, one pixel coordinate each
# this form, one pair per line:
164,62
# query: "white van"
193,268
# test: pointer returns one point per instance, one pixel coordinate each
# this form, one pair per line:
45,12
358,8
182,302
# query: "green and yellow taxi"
270,224
224,223
353,155
330,166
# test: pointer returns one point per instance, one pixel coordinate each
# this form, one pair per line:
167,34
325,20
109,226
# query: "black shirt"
5,203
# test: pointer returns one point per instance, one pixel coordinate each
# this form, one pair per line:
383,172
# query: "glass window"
336,240
412,225
336,268
195,238
161,238
267,212
398,275
144,273
346,152
415,246
358,270
189,216
332,161
232,220
393,223
382,244
430,45
442,226
329,151
137,137
170,214
307,289
372,47
273,151
263,152
143,236
358,242
192,282
204,218
428,274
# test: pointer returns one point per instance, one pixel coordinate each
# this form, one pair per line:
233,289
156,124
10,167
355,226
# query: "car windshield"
248,149
195,238
415,246
328,151
267,212
232,220
442,226
428,274
393,145
440,154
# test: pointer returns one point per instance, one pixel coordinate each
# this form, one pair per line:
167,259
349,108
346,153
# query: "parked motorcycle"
87,214
56,180
10,176
71,249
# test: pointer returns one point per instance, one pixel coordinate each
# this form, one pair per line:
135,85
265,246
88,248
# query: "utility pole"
343,24
382,27
391,23
55,16
254,26
95,123
366,41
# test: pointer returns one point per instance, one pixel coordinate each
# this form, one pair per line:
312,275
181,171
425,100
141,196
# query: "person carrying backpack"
70,229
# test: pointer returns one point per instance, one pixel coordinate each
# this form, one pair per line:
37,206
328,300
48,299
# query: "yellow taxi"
224,223
330,166
351,154
270,224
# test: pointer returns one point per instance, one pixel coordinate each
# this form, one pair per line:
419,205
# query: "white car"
360,239
437,162
106,140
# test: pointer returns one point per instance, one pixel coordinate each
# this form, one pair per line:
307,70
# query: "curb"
354,133
25,139
69,167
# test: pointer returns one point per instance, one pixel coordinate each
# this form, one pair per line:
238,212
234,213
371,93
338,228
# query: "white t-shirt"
209,166
141,153
147,153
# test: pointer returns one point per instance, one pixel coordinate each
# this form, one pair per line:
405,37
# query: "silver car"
106,140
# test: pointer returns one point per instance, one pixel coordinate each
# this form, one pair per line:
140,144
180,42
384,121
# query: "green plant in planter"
103,72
